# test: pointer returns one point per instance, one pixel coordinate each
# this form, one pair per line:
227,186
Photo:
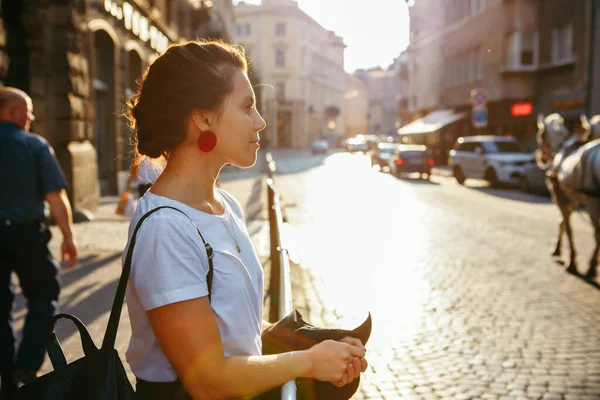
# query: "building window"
280,91
247,29
280,29
562,43
238,30
280,58
522,50
462,69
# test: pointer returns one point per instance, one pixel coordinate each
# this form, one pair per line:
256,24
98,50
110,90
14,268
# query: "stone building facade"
356,104
301,67
528,56
566,51
385,88
79,60
486,45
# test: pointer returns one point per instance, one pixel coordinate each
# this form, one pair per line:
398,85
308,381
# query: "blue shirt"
28,171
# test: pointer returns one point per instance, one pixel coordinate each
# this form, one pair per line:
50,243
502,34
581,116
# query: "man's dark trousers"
24,250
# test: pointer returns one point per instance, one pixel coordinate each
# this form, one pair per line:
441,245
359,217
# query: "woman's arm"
189,336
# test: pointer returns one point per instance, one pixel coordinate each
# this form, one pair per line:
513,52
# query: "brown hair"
188,76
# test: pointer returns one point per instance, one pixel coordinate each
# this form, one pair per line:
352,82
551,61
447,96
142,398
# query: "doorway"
104,112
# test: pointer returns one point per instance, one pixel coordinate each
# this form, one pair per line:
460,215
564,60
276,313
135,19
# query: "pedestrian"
29,174
191,338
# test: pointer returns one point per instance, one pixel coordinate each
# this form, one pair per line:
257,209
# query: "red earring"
207,141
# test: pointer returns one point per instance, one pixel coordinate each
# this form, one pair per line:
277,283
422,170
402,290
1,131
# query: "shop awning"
432,122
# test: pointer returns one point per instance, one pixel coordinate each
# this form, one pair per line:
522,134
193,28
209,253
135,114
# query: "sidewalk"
88,290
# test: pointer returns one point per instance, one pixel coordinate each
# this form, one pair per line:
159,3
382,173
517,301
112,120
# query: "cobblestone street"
466,300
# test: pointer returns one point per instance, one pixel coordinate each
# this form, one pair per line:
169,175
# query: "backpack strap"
115,313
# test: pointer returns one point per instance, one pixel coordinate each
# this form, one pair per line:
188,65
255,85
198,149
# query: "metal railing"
280,284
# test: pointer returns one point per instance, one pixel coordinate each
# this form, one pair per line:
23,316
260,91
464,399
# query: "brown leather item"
294,333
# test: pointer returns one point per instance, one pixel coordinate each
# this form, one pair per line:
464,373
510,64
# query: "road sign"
480,116
479,97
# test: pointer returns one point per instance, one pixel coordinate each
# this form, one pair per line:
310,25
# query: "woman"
196,108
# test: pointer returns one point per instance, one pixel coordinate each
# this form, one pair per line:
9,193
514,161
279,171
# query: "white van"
497,159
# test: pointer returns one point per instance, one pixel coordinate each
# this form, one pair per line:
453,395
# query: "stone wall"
60,89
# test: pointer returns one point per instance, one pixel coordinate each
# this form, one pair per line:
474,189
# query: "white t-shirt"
169,265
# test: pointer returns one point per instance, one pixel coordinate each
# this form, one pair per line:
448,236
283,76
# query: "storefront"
440,129
507,117
437,130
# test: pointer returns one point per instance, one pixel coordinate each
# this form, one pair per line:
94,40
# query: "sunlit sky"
375,31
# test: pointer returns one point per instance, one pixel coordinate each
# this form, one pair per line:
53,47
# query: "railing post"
275,262
280,285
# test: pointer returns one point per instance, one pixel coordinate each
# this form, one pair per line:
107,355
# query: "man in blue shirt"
29,174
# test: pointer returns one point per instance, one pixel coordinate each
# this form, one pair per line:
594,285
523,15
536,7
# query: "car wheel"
491,177
425,176
524,184
459,175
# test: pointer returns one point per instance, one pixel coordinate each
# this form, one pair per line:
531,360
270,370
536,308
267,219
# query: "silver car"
497,159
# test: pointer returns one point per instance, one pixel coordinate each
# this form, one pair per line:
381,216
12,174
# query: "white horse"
572,166
592,127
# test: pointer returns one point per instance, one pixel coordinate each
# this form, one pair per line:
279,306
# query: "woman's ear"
201,120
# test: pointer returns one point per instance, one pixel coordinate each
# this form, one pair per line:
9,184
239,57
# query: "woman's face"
237,128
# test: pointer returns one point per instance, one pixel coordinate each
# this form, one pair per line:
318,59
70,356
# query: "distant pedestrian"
29,174
196,335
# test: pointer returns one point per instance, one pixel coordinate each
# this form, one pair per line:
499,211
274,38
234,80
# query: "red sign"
521,109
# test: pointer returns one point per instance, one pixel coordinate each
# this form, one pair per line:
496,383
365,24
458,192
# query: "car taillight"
430,162
399,161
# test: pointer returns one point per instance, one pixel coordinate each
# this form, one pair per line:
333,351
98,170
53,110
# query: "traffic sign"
479,97
480,116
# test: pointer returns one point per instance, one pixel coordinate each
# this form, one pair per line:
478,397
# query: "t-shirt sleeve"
51,175
169,262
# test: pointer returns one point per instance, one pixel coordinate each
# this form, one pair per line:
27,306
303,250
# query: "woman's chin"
245,163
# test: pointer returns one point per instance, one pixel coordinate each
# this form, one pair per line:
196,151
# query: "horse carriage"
572,164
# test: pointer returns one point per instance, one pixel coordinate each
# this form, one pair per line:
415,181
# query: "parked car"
382,154
411,159
319,146
533,179
354,145
497,159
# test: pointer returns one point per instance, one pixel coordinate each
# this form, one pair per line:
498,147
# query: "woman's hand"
357,366
330,361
